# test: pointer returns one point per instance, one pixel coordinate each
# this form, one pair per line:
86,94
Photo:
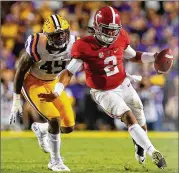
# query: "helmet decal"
56,21
99,14
113,15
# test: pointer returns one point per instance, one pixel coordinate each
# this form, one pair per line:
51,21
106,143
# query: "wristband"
59,87
16,96
147,57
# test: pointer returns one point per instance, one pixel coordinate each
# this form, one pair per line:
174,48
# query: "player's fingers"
21,114
41,95
14,120
10,121
11,118
43,99
49,100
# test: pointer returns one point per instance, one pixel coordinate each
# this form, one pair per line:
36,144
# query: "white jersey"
47,64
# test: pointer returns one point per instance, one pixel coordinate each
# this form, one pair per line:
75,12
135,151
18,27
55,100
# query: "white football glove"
134,78
16,108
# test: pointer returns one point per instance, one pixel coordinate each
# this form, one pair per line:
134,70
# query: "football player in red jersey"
102,57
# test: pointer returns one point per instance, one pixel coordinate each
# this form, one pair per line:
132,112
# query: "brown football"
163,61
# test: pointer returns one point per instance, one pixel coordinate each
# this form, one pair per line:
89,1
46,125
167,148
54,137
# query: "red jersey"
103,66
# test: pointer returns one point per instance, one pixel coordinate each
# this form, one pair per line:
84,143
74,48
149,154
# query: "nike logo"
116,50
128,85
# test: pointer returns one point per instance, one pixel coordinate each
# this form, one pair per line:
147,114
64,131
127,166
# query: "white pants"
117,101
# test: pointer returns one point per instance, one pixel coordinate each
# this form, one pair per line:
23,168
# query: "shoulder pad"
31,46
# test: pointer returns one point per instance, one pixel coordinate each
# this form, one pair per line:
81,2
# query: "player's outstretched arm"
63,80
139,57
24,65
162,61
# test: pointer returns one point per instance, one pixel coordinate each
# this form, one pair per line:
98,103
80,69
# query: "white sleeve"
129,52
74,65
28,45
146,57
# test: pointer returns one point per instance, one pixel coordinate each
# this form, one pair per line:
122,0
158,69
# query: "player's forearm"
139,57
64,79
143,57
24,65
66,75
18,82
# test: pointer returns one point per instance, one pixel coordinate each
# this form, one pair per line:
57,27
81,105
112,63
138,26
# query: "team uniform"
102,57
106,76
41,78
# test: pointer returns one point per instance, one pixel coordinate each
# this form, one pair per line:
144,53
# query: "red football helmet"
107,24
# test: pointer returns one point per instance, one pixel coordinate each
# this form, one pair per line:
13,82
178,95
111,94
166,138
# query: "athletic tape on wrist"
16,96
59,87
147,57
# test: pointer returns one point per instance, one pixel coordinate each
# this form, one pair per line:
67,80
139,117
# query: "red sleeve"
127,39
76,51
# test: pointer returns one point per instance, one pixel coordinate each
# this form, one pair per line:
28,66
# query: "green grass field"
93,152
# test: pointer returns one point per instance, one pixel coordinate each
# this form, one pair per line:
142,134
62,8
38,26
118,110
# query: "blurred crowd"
152,26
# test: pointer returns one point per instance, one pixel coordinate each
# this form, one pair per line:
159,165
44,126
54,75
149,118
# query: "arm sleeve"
129,52
31,47
75,65
144,57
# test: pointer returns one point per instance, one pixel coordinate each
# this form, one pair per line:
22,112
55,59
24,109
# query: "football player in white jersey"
46,55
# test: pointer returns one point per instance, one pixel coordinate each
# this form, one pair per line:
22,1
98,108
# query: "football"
163,61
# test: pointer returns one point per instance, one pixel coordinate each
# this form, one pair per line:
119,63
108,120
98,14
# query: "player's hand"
163,61
48,97
16,110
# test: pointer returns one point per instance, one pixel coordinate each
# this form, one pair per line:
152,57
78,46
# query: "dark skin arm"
64,78
24,65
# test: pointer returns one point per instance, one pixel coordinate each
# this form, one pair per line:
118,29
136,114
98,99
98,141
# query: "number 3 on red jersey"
111,69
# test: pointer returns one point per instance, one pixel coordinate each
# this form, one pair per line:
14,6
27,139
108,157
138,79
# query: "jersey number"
112,68
53,67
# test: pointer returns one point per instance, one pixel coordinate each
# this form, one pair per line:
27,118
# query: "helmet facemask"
59,39
107,33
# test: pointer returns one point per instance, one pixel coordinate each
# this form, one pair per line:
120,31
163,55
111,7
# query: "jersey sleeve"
31,47
129,52
75,65
77,50
127,39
